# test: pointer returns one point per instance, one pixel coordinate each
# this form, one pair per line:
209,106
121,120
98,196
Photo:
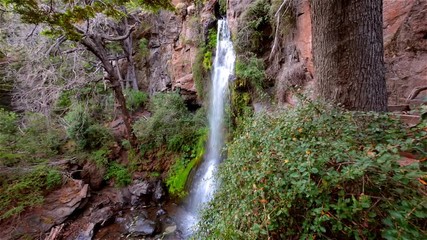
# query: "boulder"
141,226
141,189
159,192
93,175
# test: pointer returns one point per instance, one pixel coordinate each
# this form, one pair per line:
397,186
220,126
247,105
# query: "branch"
414,93
32,32
58,42
119,38
73,50
276,34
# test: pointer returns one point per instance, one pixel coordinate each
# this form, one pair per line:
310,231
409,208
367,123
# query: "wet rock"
135,201
102,216
141,189
93,175
159,192
98,218
160,212
142,227
88,233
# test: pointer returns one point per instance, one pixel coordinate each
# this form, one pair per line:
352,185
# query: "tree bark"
348,53
94,45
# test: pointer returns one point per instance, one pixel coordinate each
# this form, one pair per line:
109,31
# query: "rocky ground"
74,211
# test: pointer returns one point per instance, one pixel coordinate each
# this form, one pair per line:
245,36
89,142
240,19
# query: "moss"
199,72
180,171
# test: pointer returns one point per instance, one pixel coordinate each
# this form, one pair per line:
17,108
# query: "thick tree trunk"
94,45
348,53
131,75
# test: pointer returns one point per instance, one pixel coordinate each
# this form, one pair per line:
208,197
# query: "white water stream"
204,184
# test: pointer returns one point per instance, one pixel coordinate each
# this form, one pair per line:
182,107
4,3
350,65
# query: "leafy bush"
37,139
8,130
41,138
27,190
100,157
119,173
171,124
8,122
317,172
135,99
173,131
82,129
252,72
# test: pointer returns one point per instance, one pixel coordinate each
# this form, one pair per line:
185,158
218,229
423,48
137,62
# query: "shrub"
171,124
318,172
143,47
135,99
100,157
82,129
8,122
37,139
119,173
41,137
252,72
8,130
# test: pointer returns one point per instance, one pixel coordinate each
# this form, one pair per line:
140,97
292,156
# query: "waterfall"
204,183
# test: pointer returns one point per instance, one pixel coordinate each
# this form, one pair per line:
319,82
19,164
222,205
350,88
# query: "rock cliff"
405,40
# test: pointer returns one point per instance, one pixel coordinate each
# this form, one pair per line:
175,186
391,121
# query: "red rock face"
405,42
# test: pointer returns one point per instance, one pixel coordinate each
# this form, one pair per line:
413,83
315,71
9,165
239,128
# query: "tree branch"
58,42
119,38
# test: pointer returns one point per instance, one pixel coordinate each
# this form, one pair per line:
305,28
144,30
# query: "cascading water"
204,183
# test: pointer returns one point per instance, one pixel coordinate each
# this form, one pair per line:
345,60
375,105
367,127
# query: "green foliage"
114,47
255,29
63,22
119,173
143,47
207,61
199,72
222,7
135,99
100,157
37,139
173,131
180,171
252,72
82,129
170,125
240,108
8,122
287,16
27,190
64,100
317,172
41,137
203,62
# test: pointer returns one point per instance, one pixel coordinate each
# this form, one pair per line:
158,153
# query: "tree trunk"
130,76
348,53
94,45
